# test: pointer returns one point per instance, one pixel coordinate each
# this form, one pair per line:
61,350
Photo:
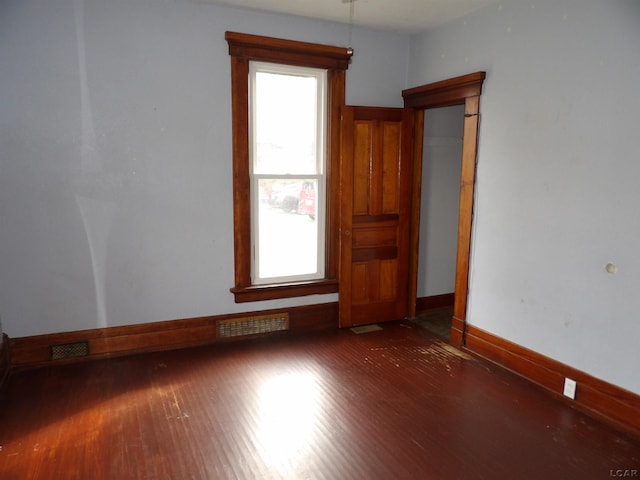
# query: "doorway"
439,212
464,91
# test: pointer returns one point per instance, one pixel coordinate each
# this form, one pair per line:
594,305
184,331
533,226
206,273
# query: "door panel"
374,225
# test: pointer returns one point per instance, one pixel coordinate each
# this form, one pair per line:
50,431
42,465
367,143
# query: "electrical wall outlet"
570,388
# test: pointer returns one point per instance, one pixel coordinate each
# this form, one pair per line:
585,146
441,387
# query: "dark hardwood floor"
399,403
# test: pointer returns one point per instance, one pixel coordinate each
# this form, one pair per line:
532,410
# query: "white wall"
440,202
115,155
115,164
558,169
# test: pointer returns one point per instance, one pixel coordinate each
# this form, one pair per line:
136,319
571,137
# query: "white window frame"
319,176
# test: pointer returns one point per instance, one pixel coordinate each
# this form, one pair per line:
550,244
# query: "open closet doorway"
439,209
461,91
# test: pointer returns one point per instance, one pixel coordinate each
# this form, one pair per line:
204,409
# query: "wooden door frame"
464,90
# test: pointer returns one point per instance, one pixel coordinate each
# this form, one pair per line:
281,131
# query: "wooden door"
376,164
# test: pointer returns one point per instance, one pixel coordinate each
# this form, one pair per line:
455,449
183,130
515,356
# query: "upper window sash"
315,165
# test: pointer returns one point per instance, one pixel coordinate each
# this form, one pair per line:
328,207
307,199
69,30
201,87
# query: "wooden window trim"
290,52
242,49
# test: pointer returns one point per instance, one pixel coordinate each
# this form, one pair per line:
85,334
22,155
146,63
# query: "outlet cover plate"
570,388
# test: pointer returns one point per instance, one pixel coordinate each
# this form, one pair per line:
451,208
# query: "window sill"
256,293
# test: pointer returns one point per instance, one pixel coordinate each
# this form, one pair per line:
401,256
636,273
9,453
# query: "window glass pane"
287,230
287,157
286,137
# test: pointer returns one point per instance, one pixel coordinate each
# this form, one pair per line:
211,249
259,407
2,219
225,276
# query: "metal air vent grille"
238,327
69,350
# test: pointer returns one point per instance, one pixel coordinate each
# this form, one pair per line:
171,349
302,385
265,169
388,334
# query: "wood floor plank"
393,404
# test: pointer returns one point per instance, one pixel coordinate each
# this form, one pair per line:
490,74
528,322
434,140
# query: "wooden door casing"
464,90
375,207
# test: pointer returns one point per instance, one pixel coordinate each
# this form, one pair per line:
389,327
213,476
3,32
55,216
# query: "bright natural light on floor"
289,406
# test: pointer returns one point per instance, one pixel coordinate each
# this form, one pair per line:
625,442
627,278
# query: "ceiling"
402,16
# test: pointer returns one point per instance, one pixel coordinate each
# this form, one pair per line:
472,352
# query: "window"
287,108
286,101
